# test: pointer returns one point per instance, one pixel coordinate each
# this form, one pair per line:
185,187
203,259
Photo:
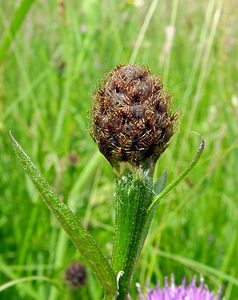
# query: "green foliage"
135,208
175,182
19,17
54,63
83,241
133,197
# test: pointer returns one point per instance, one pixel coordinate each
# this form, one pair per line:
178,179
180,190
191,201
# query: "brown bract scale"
131,118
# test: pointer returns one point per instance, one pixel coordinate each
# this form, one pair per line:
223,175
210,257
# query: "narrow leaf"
81,238
14,27
174,183
26,279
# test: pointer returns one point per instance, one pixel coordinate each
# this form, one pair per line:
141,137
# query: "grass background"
48,74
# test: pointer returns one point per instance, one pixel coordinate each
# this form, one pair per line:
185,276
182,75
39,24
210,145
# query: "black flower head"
75,275
131,118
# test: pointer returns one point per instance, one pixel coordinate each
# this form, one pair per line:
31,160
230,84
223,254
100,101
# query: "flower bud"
131,118
75,275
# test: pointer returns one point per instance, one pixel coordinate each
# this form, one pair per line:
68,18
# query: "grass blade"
26,279
14,27
82,239
28,292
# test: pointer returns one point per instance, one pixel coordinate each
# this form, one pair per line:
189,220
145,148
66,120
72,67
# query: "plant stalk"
134,194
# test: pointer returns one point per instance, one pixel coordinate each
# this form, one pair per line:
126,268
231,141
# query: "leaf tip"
14,142
12,137
202,145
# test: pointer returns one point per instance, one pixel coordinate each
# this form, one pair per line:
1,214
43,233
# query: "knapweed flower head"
75,275
181,292
131,118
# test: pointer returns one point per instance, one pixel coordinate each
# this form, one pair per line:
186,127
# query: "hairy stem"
133,197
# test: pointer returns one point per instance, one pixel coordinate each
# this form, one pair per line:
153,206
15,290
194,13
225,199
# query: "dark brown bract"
131,118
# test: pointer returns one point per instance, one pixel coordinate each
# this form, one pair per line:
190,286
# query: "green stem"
133,197
135,207
108,297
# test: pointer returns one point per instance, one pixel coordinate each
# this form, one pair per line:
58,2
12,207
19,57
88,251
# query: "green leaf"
26,279
174,183
14,27
81,238
28,292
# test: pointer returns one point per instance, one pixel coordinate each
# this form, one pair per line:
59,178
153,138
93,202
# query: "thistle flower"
181,292
131,118
132,125
75,275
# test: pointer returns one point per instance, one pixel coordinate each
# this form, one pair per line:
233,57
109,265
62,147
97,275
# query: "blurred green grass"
46,82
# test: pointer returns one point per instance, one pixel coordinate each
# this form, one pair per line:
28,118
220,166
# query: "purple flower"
181,292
